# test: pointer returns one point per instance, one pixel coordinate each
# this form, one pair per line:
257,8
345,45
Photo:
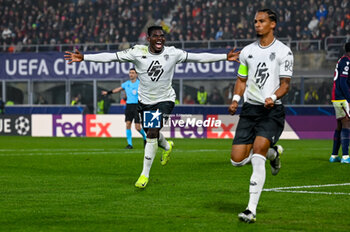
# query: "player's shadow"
225,207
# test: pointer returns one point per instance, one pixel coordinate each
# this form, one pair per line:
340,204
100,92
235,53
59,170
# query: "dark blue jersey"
341,84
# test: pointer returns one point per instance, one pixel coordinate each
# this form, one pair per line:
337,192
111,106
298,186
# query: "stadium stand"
29,22
96,25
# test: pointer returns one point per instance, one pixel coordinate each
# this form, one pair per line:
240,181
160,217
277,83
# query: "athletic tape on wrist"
236,98
274,97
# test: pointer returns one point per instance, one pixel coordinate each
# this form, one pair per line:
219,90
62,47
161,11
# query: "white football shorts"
341,108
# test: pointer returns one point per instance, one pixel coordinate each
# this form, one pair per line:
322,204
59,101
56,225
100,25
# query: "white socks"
257,181
162,142
271,154
150,152
243,162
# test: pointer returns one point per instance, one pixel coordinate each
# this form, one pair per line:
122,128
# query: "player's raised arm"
103,57
232,55
74,57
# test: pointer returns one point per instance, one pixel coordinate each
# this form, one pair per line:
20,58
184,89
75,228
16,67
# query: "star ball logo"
152,119
22,125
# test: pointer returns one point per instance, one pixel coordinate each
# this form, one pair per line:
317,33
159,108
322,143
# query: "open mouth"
159,45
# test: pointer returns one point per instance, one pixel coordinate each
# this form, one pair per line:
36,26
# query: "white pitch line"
287,189
308,186
310,192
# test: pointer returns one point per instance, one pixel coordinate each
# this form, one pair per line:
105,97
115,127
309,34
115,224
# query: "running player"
155,65
263,76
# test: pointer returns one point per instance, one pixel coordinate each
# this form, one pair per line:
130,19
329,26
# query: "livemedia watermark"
155,119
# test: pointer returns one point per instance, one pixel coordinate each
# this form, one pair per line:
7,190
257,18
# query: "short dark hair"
132,69
153,28
347,47
272,15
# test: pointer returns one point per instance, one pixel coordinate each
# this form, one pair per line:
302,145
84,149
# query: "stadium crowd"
31,22
125,22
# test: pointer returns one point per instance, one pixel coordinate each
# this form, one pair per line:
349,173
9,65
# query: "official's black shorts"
131,113
165,108
256,120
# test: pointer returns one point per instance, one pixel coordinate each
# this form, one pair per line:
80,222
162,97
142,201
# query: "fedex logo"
197,126
79,125
225,130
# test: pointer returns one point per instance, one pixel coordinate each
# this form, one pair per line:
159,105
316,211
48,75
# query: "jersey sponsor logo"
155,70
346,70
261,74
288,65
250,56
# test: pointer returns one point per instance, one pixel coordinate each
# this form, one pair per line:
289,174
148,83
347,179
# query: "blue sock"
336,142
128,136
345,141
142,132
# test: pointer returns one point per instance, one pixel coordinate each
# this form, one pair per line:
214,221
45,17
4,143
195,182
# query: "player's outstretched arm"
233,55
103,57
206,57
74,57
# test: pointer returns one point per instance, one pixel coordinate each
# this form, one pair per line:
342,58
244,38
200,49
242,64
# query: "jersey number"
336,72
155,70
261,74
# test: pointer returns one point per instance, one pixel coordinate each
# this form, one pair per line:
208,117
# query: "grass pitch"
87,184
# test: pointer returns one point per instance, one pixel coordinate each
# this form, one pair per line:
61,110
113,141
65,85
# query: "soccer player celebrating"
263,77
155,65
341,101
131,87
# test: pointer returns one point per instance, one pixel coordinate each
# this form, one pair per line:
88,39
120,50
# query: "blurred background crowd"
95,24
26,22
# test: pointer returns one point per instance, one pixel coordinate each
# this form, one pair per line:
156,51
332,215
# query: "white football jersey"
155,71
265,66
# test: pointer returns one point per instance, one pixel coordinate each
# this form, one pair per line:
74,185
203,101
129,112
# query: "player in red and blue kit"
341,101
